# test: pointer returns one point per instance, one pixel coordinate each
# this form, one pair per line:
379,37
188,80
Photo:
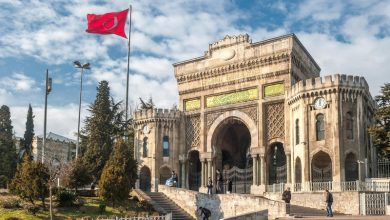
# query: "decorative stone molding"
274,120
192,131
234,67
233,82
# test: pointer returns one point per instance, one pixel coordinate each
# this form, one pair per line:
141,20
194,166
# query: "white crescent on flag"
113,25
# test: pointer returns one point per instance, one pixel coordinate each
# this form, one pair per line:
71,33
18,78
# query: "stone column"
262,170
209,170
288,157
203,173
254,172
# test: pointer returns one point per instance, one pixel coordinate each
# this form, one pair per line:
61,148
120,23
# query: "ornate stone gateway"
321,167
144,179
232,142
277,166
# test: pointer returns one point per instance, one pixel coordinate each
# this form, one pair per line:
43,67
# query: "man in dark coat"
329,202
286,197
205,212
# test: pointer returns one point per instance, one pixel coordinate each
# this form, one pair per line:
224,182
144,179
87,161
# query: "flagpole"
128,67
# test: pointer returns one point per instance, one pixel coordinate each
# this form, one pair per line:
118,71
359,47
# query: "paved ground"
344,217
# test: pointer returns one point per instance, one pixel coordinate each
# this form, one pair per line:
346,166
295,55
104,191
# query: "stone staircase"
299,211
169,206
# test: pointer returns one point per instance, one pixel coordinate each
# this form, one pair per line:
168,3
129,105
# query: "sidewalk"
345,217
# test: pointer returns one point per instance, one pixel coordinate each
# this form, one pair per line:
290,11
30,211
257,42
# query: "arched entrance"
277,166
321,167
145,179
231,144
194,170
351,167
165,173
298,170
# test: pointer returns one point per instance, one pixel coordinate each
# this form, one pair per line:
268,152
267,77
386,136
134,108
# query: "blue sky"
347,37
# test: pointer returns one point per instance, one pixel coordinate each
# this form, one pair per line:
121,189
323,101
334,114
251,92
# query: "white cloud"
17,82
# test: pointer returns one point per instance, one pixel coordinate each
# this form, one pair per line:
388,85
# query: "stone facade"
57,147
261,107
223,205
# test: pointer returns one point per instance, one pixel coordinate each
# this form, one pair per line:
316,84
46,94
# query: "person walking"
174,178
210,186
205,212
229,186
286,197
329,202
219,181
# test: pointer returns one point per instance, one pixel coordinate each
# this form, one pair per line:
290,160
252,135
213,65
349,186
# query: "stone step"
169,206
306,211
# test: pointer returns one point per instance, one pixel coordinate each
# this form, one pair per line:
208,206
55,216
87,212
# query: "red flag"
109,23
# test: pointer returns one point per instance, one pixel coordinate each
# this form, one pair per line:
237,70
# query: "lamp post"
359,169
86,66
48,88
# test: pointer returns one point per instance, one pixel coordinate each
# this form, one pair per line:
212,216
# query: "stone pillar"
288,157
254,172
209,170
203,173
262,170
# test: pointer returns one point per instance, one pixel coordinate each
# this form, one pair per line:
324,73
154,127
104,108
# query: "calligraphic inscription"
274,89
191,105
230,98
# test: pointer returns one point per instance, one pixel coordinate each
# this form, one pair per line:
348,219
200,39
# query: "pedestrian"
329,201
219,181
210,186
205,212
286,197
229,186
174,178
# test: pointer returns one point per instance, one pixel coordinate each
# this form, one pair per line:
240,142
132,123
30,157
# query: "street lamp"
48,88
86,66
359,169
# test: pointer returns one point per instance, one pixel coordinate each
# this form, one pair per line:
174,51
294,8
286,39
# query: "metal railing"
161,217
332,186
383,168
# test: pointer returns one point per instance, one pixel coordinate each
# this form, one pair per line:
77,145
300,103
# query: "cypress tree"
99,130
119,174
7,145
29,133
381,130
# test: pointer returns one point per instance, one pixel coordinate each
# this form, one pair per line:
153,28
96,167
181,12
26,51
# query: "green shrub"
102,208
3,181
31,208
145,206
66,198
10,202
12,218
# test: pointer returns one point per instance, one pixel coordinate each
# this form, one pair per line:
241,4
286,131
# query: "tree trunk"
50,205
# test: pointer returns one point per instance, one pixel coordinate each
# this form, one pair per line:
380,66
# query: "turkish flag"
109,23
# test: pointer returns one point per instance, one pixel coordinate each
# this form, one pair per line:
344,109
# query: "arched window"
165,146
145,147
349,125
297,131
320,127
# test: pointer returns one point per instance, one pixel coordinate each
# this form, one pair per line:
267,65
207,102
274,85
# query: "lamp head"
86,66
77,64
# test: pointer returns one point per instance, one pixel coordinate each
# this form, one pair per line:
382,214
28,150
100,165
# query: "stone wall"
223,205
343,202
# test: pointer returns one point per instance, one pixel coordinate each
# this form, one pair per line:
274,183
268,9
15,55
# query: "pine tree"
76,175
29,133
30,181
119,174
7,145
381,130
99,131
